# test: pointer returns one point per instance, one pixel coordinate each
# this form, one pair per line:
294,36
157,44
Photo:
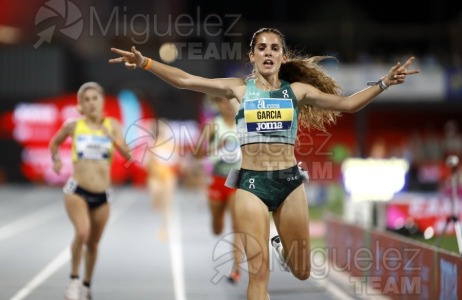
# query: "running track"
35,234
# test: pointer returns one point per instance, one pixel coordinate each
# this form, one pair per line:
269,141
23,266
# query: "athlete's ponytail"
307,70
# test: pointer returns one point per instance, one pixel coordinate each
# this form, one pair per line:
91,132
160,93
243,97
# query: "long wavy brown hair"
307,70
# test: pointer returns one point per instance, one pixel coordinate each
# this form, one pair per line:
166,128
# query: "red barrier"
392,265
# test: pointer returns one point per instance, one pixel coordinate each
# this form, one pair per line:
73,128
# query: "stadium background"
49,48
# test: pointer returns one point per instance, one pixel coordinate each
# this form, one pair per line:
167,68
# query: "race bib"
93,147
263,115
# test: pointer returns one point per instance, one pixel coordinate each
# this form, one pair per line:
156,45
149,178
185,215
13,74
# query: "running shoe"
72,291
86,294
234,277
276,243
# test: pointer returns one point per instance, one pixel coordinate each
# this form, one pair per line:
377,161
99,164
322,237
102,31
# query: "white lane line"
176,253
30,221
342,286
49,270
64,256
333,289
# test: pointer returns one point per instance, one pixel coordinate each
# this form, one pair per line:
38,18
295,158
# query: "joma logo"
269,126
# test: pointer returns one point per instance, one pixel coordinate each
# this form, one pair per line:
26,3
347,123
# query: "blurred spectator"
452,139
378,149
431,143
163,166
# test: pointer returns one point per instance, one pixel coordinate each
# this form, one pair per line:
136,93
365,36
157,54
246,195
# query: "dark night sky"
384,12
416,27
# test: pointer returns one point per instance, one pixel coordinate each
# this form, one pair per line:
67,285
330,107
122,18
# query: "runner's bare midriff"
267,157
93,176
